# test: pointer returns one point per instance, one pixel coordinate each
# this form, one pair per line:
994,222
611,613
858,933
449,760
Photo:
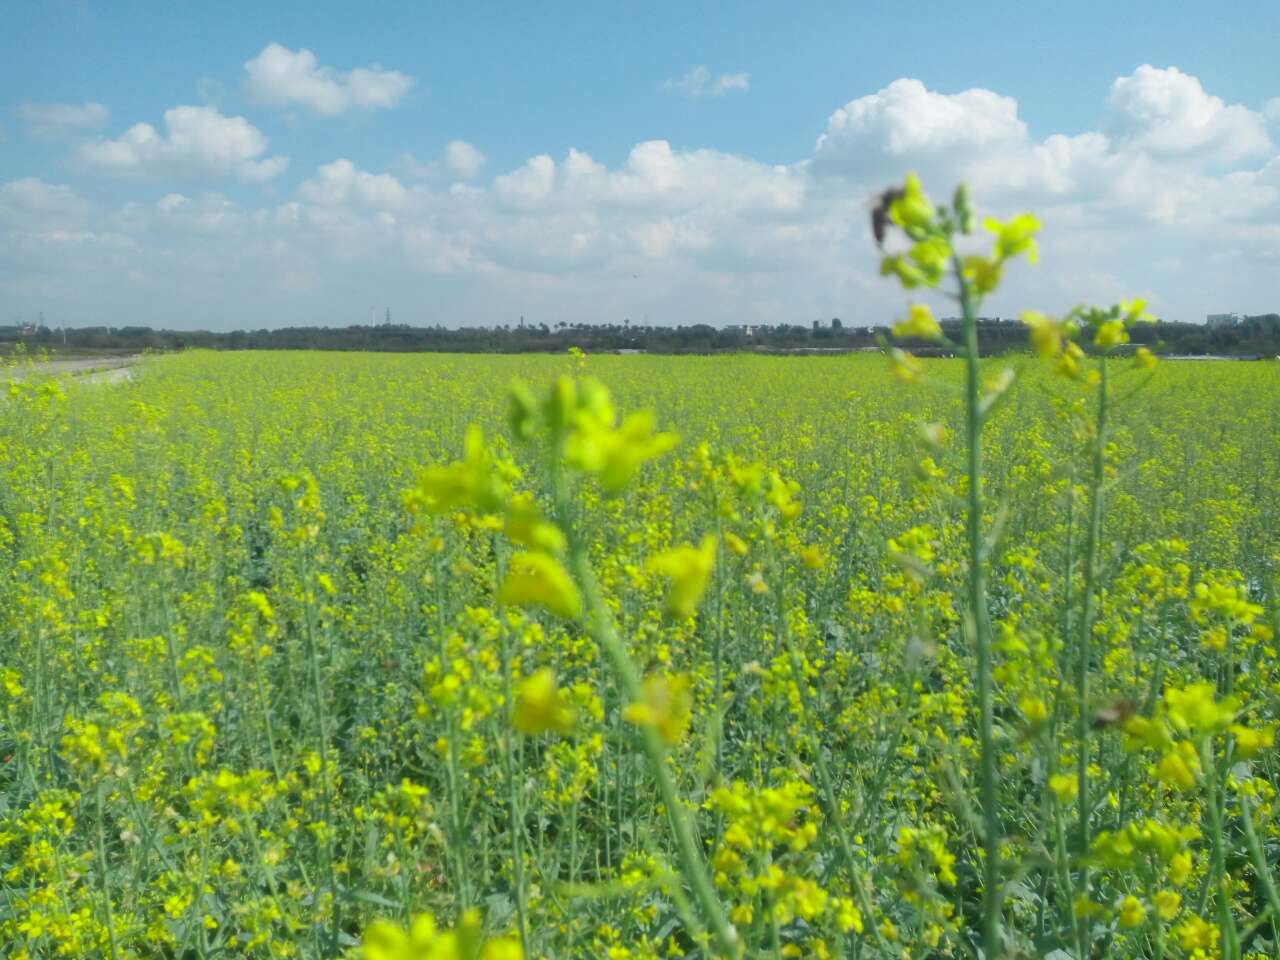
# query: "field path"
88,369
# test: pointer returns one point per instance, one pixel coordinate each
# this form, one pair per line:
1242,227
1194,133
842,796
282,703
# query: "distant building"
1224,320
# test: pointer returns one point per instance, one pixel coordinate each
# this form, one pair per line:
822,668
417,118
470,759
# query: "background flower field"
261,686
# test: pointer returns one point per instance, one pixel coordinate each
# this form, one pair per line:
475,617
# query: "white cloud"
60,119
340,182
462,159
280,77
1166,112
31,198
696,235
198,143
906,124
530,185
701,82
459,160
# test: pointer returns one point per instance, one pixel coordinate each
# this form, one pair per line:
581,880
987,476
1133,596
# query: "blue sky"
292,190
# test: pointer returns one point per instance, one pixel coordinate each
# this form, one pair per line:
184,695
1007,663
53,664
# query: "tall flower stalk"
933,232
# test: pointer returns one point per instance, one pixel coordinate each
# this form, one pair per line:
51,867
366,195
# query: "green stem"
1093,534
980,630
1258,857
322,736
104,877
602,628
514,819
1221,892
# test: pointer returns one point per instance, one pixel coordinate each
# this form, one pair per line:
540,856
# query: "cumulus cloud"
459,160
31,197
1166,112
462,159
197,143
906,123
340,182
701,82
701,235
61,119
280,77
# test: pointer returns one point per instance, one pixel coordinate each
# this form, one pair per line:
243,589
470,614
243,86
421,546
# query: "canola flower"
336,655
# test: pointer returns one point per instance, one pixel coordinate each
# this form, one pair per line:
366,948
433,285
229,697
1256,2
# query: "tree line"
1255,336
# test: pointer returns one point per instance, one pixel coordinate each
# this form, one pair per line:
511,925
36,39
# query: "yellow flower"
1015,237
540,706
920,323
1046,334
1110,334
526,527
1197,934
907,272
1132,912
1180,767
1063,787
384,940
781,494
1167,903
1144,358
1249,742
1135,311
1193,710
615,454
848,916
538,579
1069,361
1034,709
912,210
667,706
473,482
812,557
1180,869
983,273
905,366
689,569
931,256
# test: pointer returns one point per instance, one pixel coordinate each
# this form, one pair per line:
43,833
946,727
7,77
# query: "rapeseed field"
347,655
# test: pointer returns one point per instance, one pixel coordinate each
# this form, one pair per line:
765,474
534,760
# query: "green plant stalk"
826,781
453,778
322,735
103,871
514,819
1093,536
601,626
980,629
266,716
1221,894
1258,857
